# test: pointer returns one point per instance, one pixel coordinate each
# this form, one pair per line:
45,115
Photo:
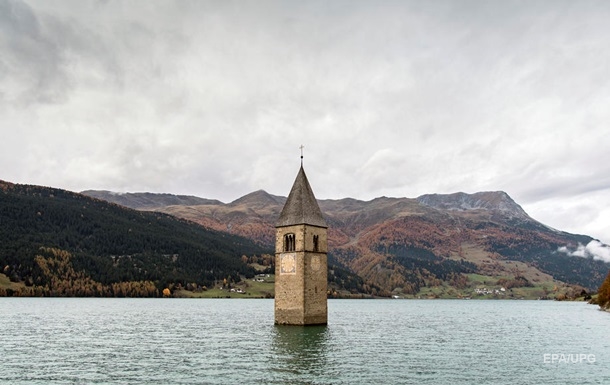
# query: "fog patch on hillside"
594,249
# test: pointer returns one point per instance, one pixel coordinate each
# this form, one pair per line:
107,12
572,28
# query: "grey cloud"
395,98
41,52
31,62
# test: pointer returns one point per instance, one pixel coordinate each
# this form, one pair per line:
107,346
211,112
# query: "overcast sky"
389,98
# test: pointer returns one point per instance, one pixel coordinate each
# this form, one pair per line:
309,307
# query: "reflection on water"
300,351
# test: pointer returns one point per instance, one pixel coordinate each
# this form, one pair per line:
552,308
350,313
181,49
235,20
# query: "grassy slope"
251,288
547,289
6,283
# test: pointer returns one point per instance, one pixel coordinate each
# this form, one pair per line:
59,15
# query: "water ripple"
155,341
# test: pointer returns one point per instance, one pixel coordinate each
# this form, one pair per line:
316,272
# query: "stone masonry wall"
300,294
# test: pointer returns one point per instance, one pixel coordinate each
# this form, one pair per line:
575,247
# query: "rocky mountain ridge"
489,200
141,201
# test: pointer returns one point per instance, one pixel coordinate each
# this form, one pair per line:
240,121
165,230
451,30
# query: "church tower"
300,259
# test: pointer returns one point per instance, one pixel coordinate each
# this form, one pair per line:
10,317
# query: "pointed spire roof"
301,206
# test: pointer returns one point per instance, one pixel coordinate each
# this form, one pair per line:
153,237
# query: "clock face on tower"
288,263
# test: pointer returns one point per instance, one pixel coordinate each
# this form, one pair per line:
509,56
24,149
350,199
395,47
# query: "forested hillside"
61,243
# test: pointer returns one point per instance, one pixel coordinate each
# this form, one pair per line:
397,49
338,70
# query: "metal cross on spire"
302,147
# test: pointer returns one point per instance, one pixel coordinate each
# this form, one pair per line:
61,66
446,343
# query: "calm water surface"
186,341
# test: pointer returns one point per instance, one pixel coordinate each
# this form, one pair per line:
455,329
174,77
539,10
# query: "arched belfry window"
289,243
316,244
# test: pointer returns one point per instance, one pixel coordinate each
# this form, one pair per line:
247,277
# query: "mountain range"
55,242
402,245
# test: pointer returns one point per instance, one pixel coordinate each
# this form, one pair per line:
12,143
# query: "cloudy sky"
389,98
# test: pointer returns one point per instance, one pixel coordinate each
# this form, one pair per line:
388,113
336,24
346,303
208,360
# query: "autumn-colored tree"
166,293
603,294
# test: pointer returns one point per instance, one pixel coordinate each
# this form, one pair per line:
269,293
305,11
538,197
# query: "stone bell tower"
300,259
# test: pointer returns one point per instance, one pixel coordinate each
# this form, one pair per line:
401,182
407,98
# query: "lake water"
224,341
